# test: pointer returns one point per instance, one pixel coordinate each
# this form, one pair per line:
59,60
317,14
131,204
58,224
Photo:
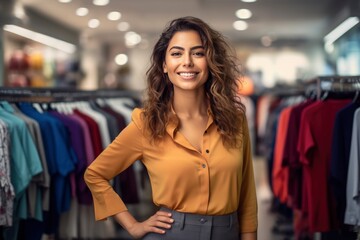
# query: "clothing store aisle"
271,225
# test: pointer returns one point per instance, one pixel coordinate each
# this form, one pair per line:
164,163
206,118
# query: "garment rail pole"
62,94
334,83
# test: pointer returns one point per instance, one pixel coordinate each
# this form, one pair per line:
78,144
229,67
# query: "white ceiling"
284,20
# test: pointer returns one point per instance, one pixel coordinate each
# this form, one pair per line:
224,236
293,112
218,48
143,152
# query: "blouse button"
207,151
203,220
203,165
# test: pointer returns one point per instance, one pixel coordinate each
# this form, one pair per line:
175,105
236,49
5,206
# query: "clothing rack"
62,125
284,90
44,95
333,83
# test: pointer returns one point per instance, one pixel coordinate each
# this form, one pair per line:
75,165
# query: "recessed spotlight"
121,59
82,11
248,1
93,23
240,25
243,13
123,26
64,1
132,39
101,2
114,16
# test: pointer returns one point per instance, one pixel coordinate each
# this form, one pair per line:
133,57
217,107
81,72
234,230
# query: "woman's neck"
190,104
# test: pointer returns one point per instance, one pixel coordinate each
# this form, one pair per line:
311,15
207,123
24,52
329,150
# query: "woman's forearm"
249,236
125,219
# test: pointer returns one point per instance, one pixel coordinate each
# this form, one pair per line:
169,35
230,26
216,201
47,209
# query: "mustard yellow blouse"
215,181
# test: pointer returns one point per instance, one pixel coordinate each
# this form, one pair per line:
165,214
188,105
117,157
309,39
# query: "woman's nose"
188,62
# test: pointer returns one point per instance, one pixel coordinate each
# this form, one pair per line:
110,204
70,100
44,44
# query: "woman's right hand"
156,223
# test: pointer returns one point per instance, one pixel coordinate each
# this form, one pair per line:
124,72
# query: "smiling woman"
193,139
185,62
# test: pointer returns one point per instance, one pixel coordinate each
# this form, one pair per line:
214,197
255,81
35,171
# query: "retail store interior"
68,55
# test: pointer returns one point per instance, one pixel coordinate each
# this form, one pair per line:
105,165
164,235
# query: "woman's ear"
165,68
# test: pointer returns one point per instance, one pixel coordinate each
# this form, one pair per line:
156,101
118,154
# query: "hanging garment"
291,155
314,146
280,173
341,143
352,213
39,188
7,193
24,163
61,163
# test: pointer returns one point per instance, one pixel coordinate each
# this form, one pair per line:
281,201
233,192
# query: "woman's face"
185,61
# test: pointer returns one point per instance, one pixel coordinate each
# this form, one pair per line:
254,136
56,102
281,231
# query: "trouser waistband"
198,219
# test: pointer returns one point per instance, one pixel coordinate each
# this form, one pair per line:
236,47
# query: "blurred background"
278,41
55,54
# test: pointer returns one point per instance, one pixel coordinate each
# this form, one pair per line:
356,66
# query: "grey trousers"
189,226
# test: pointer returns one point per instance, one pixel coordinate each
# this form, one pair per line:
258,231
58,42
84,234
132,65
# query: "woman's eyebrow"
181,48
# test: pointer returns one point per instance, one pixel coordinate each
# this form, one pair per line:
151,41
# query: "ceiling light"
64,1
243,13
248,1
101,2
93,23
19,11
266,41
240,25
123,26
132,39
82,11
114,16
121,59
41,38
340,30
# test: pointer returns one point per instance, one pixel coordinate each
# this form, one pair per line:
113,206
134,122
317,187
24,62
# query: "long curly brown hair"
221,87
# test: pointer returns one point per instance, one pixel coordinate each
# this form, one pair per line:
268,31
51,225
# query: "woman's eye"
175,54
199,54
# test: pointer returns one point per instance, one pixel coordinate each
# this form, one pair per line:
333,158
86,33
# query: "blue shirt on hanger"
61,162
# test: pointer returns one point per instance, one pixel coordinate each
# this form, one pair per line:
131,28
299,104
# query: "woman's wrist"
126,220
